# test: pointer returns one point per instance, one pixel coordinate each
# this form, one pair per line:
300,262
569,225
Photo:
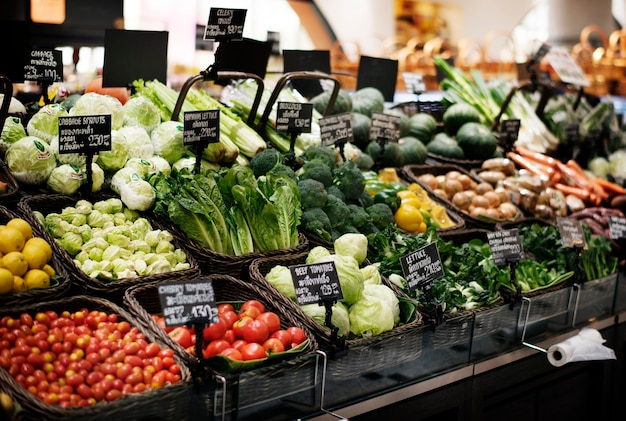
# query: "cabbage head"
138,195
97,177
189,163
339,317
371,274
45,122
121,177
159,166
115,158
138,142
30,160
140,111
373,313
76,159
280,278
352,244
350,277
12,131
167,140
65,179
316,253
93,103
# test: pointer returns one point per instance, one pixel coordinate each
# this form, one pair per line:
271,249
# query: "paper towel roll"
585,346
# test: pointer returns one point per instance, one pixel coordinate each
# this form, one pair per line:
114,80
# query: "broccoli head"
318,170
334,190
316,221
337,211
381,215
358,216
350,180
281,168
264,161
325,153
366,200
312,194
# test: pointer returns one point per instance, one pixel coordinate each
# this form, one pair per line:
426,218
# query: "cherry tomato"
253,351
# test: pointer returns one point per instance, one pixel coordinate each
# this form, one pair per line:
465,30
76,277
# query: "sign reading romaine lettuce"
294,117
316,283
201,127
572,234
336,129
422,267
186,301
44,65
505,246
385,126
84,133
225,23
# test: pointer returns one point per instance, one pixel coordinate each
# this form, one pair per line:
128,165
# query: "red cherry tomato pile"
251,333
76,359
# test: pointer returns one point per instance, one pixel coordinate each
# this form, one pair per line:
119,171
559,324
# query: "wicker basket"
365,355
412,172
113,290
13,188
143,301
168,402
60,287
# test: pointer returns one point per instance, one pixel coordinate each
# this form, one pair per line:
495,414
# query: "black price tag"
510,129
336,129
84,133
294,117
541,52
44,65
572,234
225,24
385,126
422,267
201,127
379,73
185,301
505,246
617,227
414,82
316,283
572,133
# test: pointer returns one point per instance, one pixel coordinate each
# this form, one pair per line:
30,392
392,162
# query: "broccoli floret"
317,170
264,161
381,215
281,168
334,190
369,229
366,200
358,216
316,221
337,211
325,153
350,180
312,194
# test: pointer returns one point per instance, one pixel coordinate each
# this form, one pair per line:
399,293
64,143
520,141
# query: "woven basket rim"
13,187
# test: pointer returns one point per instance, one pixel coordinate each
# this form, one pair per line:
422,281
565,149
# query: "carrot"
556,178
529,165
581,193
595,187
536,156
609,186
573,177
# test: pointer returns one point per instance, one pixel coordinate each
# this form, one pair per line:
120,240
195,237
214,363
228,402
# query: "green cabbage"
352,244
12,131
97,177
138,195
350,277
30,160
371,274
140,111
76,159
65,179
374,312
93,104
138,142
115,158
167,140
45,122
189,163
316,253
339,318
280,278
123,176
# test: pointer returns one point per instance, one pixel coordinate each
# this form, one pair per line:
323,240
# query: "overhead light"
47,11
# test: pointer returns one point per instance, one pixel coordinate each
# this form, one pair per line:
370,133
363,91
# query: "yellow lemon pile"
24,259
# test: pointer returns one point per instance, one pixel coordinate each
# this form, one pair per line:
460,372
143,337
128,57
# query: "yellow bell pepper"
408,218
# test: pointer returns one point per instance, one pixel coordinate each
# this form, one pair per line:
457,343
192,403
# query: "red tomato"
273,345
215,347
297,335
256,331
152,349
182,336
229,318
215,330
239,326
238,344
271,319
224,307
233,354
229,336
253,351
253,303
283,336
249,311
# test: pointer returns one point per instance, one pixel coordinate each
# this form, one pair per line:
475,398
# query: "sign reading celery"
225,23
186,301
84,133
422,267
316,283
201,127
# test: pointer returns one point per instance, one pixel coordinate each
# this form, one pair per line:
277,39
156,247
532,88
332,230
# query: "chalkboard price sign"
422,267
316,283
225,24
294,117
201,127
617,227
336,129
44,65
385,126
186,301
84,133
505,246
572,234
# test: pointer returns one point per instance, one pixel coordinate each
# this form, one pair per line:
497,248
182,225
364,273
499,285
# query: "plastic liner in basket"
172,401
413,172
60,284
113,290
364,355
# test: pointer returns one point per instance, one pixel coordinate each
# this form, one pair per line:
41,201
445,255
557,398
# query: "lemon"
36,278
19,284
42,244
22,226
49,270
6,281
15,262
6,403
35,256
11,239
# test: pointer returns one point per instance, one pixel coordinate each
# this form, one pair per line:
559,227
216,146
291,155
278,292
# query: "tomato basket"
60,284
101,287
170,401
